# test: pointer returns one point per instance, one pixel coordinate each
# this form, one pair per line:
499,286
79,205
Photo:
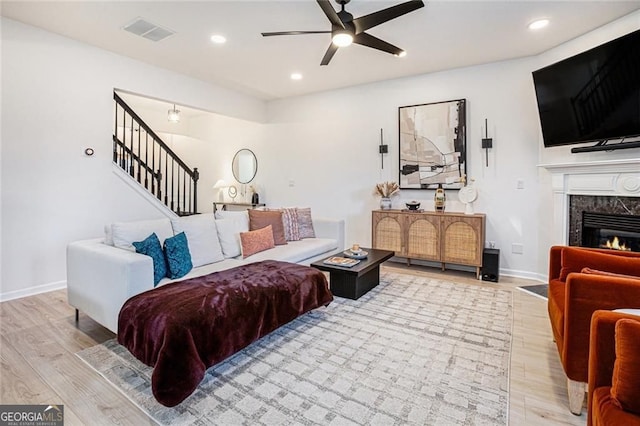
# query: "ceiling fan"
346,30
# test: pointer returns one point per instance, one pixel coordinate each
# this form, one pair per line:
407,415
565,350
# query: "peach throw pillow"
625,390
256,241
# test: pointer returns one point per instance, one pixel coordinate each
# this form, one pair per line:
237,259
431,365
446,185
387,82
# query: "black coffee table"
355,281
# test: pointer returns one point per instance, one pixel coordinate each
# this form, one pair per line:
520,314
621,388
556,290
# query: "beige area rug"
413,350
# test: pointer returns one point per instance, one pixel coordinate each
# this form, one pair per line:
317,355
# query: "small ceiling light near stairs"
174,115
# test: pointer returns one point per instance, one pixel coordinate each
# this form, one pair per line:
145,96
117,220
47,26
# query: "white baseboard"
31,291
506,272
524,274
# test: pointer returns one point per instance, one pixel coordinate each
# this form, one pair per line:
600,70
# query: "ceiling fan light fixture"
402,54
173,115
342,39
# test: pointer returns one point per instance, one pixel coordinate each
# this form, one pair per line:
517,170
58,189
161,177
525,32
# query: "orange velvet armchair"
581,281
614,393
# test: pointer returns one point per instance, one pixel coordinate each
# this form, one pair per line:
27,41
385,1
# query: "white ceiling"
444,34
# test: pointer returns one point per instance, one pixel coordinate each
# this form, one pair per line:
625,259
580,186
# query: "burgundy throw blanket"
183,328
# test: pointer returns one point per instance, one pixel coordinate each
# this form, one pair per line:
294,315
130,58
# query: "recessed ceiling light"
296,76
538,24
218,39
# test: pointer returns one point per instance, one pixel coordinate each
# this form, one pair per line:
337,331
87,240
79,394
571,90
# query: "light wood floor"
39,338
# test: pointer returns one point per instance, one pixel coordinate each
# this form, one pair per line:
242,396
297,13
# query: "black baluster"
196,176
139,155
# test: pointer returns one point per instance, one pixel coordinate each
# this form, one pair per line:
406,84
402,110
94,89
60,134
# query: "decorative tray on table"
361,254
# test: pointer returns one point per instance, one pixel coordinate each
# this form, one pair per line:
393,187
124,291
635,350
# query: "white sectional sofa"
103,273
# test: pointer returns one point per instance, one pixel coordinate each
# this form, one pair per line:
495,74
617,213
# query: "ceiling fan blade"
363,23
279,33
329,54
368,40
331,13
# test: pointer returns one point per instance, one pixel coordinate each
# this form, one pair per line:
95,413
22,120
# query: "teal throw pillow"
152,248
176,250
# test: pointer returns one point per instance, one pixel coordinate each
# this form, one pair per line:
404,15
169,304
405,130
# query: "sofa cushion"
573,259
125,233
609,274
305,223
202,235
151,247
261,218
176,250
256,241
206,270
297,251
242,216
229,236
625,389
605,412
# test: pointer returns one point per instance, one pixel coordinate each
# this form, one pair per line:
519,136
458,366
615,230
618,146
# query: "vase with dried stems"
385,190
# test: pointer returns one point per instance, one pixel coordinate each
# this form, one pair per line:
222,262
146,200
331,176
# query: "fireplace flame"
615,245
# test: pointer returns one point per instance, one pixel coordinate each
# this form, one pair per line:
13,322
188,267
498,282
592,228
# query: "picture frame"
433,145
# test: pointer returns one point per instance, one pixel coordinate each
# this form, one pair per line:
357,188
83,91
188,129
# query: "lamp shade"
220,184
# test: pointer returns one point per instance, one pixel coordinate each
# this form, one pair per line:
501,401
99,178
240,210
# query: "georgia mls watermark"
31,415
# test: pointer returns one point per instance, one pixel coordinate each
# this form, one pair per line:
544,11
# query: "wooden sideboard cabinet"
455,238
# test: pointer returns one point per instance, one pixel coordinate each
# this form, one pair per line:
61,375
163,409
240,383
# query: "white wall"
562,154
327,144
56,101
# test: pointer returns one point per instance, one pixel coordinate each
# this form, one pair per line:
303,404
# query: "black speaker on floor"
491,265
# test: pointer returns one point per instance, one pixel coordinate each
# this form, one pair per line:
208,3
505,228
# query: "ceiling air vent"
147,30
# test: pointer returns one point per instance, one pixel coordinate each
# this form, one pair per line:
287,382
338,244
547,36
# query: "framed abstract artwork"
433,145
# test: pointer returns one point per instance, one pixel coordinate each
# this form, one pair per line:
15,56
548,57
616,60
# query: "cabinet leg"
442,266
408,262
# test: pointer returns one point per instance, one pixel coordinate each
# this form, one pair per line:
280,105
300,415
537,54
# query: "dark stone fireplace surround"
600,183
597,204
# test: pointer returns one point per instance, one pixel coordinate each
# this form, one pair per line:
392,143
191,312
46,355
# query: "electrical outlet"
520,184
517,248
292,183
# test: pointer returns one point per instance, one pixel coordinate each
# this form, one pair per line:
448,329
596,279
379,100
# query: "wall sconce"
487,142
174,115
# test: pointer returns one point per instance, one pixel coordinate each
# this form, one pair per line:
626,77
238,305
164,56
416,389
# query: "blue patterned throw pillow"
152,248
176,250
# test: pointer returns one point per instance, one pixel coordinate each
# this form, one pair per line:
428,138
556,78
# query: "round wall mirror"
244,166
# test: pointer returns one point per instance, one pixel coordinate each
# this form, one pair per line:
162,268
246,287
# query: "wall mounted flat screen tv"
593,96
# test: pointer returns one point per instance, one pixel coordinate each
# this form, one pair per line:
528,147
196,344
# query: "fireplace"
611,231
605,215
610,186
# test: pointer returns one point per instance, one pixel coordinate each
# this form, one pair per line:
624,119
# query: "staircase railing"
147,159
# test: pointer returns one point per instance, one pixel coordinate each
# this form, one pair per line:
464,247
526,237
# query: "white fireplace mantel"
603,178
